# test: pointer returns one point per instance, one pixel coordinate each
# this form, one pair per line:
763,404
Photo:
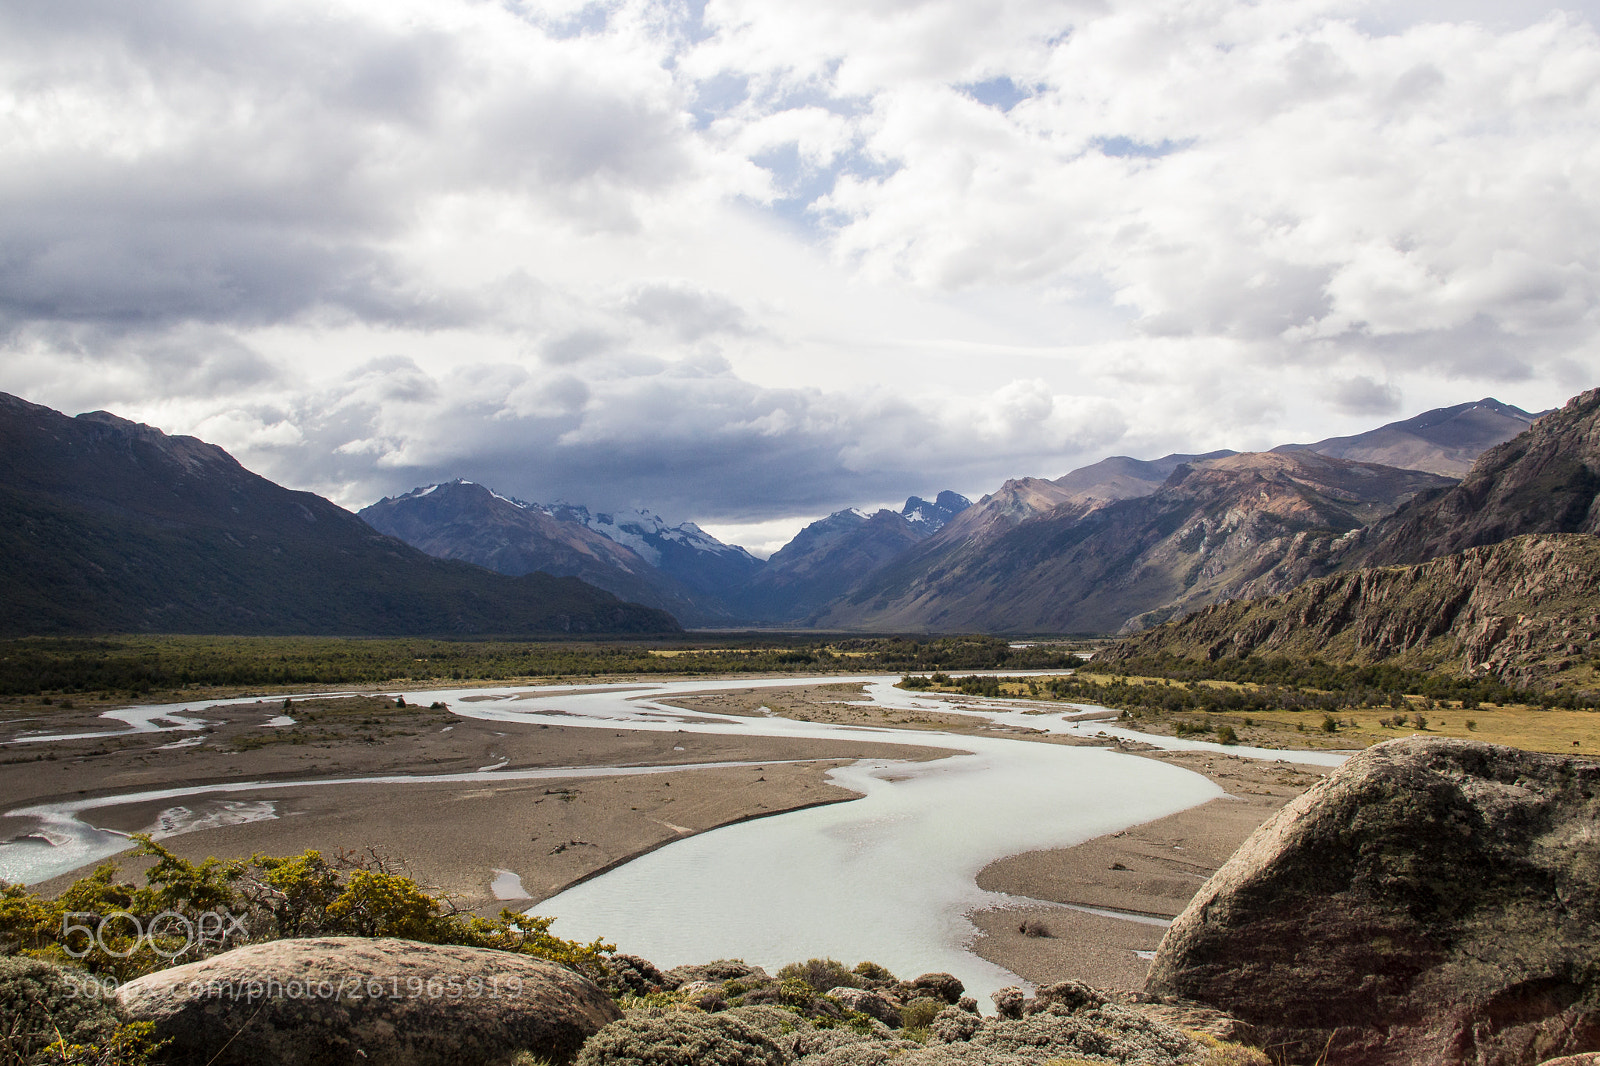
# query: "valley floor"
512,842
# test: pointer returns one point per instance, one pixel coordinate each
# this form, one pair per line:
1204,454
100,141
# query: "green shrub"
678,1038
920,1012
1226,735
821,974
272,899
871,971
793,992
52,1015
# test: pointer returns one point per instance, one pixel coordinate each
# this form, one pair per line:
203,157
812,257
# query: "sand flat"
1151,869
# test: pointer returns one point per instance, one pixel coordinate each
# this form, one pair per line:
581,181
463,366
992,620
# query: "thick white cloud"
763,261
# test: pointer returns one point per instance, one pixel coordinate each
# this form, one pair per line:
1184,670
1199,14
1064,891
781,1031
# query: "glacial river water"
890,877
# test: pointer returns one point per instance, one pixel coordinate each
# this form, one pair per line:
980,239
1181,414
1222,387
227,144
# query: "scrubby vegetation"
1278,703
819,1012
1064,1023
176,915
45,1018
141,666
1338,685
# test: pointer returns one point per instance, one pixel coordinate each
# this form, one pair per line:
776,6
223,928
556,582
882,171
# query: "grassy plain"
1518,725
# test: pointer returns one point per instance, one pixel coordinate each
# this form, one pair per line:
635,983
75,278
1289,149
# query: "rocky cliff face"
1526,611
1028,559
1432,901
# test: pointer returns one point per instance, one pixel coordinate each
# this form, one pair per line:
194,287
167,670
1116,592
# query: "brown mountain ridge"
1210,528
1499,575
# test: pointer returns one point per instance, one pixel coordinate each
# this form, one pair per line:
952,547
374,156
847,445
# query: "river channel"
889,877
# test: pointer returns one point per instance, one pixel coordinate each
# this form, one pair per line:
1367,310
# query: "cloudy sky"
746,262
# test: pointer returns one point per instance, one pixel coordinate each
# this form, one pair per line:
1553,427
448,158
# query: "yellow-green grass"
1517,725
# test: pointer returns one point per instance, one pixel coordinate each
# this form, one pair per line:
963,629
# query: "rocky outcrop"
1522,611
1432,901
348,1000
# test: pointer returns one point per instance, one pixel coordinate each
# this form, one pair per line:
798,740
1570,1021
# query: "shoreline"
1148,871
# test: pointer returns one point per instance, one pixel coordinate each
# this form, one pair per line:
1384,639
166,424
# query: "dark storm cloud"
688,440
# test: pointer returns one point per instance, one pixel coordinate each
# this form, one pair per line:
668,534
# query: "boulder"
345,1000
1432,901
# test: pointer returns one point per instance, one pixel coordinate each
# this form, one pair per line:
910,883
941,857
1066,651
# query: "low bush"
678,1038
871,971
920,1012
50,1015
822,974
269,899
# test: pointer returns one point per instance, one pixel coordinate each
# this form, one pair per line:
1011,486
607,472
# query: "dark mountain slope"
1542,481
1209,529
107,526
466,521
824,559
934,515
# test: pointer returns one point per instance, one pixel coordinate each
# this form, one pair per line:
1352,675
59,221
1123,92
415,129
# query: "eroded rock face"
348,1000
1432,901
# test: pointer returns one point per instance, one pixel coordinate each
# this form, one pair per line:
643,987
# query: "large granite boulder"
1431,901
332,1001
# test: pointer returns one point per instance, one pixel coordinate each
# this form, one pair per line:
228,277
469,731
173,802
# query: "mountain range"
1120,544
1497,575
116,526
637,557
108,525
